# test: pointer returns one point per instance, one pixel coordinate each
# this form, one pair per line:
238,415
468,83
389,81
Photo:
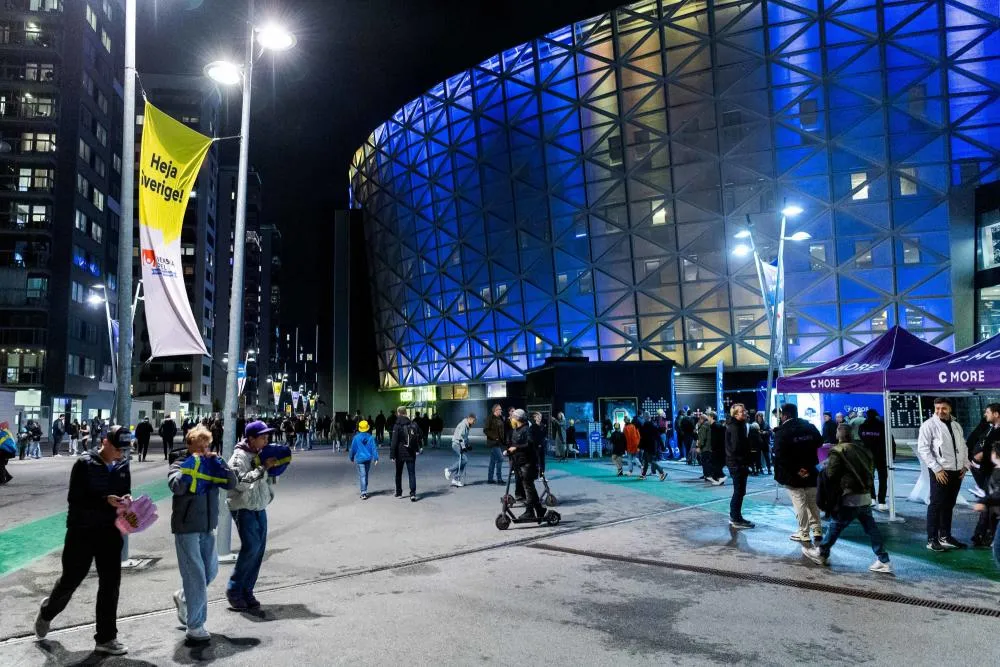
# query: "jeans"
56,441
806,510
617,460
842,519
102,547
35,449
252,528
496,461
363,470
198,564
649,460
458,470
436,439
300,440
633,461
411,472
739,474
996,548
942,504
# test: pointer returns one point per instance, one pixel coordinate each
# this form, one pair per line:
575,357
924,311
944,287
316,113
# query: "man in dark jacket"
168,431
795,461
403,449
738,447
99,483
829,429
716,452
494,432
143,432
871,433
524,457
193,520
981,448
649,445
380,428
849,470
617,439
434,427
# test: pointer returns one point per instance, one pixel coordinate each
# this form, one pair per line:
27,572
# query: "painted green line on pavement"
900,539
26,543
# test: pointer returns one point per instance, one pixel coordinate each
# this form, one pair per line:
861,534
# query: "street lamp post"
123,389
95,299
274,38
775,357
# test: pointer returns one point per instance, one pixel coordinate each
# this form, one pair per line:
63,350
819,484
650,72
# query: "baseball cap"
120,436
256,428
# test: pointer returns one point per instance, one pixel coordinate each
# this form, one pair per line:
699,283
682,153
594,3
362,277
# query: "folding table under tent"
864,371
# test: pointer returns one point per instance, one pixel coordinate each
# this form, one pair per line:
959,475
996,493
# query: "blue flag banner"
283,455
205,473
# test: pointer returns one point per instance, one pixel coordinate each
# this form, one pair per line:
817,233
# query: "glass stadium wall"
583,189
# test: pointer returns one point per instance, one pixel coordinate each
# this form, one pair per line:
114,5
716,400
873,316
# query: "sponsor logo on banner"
171,157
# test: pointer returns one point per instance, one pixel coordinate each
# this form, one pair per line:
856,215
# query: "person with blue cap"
248,502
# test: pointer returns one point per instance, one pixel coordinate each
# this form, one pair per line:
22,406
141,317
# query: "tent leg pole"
890,461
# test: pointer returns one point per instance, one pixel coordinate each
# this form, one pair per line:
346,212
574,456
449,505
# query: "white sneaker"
799,537
113,647
181,605
719,482
447,473
815,555
880,567
882,507
199,634
977,492
456,482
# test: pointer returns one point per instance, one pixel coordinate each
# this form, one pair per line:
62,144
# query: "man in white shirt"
941,447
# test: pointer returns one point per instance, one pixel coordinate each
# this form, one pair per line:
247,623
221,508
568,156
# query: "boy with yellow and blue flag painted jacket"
195,480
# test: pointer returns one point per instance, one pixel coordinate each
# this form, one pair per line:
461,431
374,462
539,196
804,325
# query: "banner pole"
225,532
126,239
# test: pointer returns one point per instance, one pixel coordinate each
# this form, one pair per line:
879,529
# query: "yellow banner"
171,158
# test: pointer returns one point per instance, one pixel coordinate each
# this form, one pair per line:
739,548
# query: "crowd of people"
821,478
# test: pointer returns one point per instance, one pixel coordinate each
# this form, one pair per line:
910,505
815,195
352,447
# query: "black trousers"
4,475
527,474
168,444
55,444
883,479
739,476
411,470
83,547
943,498
143,450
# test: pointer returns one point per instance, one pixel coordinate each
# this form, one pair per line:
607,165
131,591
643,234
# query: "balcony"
23,298
21,377
23,336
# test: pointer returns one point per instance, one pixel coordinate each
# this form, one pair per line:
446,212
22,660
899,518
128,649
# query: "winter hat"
363,426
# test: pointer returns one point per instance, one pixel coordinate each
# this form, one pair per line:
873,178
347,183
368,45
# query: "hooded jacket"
90,483
795,445
253,487
363,448
399,447
191,512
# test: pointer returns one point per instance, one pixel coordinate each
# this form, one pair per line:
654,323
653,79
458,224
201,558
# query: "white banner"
171,158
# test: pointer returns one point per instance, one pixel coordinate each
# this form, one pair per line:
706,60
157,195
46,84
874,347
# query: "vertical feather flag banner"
171,158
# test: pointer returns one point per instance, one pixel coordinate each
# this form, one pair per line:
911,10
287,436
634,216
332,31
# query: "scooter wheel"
551,500
502,522
552,518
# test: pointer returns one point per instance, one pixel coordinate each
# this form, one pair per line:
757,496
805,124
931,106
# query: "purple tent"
974,368
864,370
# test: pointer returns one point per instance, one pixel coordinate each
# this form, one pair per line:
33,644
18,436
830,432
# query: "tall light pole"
95,299
123,389
775,357
270,37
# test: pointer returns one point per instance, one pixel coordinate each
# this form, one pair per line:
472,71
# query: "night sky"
355,63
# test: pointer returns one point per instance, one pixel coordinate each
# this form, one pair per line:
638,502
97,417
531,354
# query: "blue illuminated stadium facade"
583,189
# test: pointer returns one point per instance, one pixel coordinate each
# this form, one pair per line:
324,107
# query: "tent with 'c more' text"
864,371
973,369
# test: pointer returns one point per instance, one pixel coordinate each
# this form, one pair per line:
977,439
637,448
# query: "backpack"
413,437
828,495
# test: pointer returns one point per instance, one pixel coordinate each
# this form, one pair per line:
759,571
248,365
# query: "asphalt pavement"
637,572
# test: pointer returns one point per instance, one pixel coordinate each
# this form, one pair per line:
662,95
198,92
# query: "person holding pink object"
99,485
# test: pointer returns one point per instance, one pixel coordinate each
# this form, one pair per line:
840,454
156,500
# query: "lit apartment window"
81,222
660,217
817,256
106,40
38,142
859,181
98,199
39,71
91,18
84,151
108,10
83,186
96,232
908,181
101,133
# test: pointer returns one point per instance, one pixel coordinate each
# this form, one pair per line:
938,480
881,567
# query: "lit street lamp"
269,37
771,310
